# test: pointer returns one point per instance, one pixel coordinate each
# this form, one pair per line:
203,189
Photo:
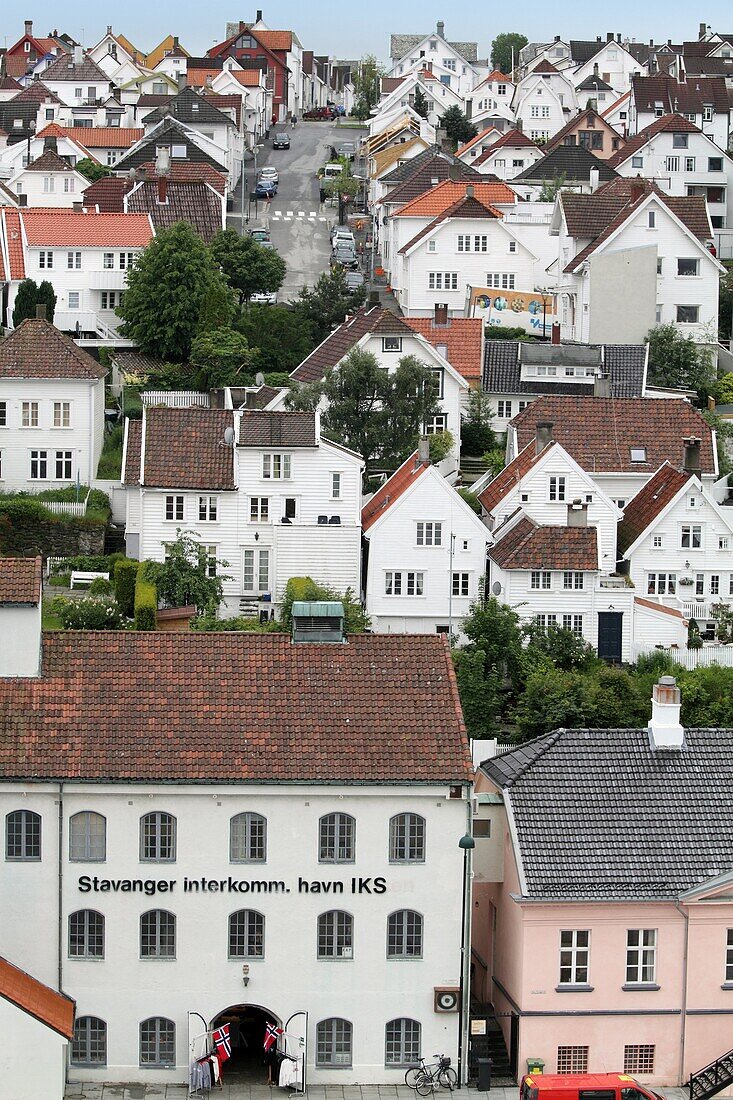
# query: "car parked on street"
344,257
269,173
354,280
320,114
265,189
342,235
259,233
281,141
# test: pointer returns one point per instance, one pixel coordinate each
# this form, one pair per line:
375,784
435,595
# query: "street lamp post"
31,132
466,844
545,295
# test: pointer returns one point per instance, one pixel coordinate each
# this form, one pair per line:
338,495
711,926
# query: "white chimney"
595,178
665,730
78,55
20,616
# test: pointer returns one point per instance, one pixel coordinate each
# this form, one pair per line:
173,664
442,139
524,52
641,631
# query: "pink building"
603,898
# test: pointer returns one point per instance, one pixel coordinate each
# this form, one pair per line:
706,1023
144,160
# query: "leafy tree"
477,435
495,460
552,699
550,188
724,389
280,338
25,301
217,306
47,297
224,358
564,649
166,289
471,500
501,50
420,102
92,169
250,268
494,628
725,303
480,694
183,578
367,86
440,445
707,697
325,305
724,437
376,413
676,360
457,126
620,698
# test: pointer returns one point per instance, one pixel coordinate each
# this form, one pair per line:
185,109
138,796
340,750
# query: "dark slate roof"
601,815
624,363
422,177
170,129
330,352
594,83
274,429
574,161
708,66
582,50
189,107
403,171
192,202
684,97
26,112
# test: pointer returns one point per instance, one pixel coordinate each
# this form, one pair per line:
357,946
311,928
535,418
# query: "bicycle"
422,1078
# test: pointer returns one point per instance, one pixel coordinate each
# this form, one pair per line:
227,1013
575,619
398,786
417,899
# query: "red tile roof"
36,92
108,194
543,67
465,207
475,140
497,74
599,432
248,708
53,1009
96,137
463,336
189,172
36,349
248,78
66,228
400,481
182,450
529,546
641,512
668,124
14,242
275,40
20,580
439,199
509,477
515,139
49,161
658,607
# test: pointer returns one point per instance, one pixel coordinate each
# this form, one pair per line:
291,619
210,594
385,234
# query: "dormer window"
638,454
707,114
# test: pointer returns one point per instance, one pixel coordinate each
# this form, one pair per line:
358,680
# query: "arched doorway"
247,1024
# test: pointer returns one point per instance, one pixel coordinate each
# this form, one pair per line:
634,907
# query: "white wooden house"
263,491
453,64
49,181
543,101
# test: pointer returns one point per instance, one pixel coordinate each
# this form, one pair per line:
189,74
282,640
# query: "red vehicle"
319,114
583,1086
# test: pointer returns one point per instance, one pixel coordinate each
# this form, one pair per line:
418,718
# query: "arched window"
87,837
337,839
335,935
157,1042
246,935
89,1047
157,934
158,838
23,835
248,838
86,934
407,839
402,1042
334,1043
404,935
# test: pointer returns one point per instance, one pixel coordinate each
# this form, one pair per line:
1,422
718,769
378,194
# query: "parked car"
281,141
259,233
354,280
344,257
319,114
346,149
265,189
341,234
268,173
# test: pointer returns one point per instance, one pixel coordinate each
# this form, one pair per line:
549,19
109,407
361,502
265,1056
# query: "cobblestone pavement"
236,1091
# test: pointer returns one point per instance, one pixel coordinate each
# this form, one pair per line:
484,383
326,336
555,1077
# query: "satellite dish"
259,379
496,588
229,437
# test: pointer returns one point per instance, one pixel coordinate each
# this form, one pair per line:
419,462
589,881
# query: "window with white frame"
208,509
39,466
174,508
637,454
246,934
572,1060
404,934
714,584
112,155
688,266
64,465
573,623
691,537
3,414
211,560
556,488
87,837
334,1043
641,956
157,934
512,246
73,261
110,299
29,414
73,299
661,584
500,280
259,509
248,838
573,578
157,838
127,260
657,542
477,242
729,954
672,164
403,583
108,261
688,315
699,584
723,542
392,343
336,485
45,260
540,579
689,164
651,219
86,934
707,114
639,1059
256,571
429,533
337,838
437,423
504,409
460,584
402,1042
276,467
335,935
574,956
442,280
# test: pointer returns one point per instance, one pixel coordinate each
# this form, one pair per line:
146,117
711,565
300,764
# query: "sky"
349,30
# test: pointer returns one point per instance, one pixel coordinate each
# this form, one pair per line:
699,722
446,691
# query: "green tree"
494,628
376,413
707,697
725,303
551,699
280,338
724,389
477,435
550,188
166,289
92,169
217,306
47,297
183,578
724,438
480,693
223,357
325,305
420,102
501,50
367,86
457,126
565,650
25,301
676,360
250,268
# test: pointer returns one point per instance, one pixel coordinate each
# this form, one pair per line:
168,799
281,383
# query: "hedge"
146,601
125,577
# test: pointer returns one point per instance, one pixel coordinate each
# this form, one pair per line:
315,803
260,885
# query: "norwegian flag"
222,1043
272,1033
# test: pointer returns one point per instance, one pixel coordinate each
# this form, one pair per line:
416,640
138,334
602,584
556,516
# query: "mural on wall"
513,309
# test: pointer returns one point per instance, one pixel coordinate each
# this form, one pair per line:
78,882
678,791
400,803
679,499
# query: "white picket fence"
180,399
692,658
66,507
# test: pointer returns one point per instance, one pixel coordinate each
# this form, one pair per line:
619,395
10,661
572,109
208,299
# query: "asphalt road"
299,225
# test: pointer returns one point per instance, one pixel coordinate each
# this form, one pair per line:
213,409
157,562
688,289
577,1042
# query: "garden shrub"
101,587
146,600
125,576
59,580
90,613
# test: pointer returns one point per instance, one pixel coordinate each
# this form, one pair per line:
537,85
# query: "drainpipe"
60,886
683,1014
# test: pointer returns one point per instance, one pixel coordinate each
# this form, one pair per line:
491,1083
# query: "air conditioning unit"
446,999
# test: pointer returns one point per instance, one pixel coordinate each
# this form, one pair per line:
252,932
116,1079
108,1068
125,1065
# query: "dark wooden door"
610,626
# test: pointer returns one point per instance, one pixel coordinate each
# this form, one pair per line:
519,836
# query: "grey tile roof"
190,107
573,160
600,815
65,69
401,44
191,202
171,129
625,364
274,429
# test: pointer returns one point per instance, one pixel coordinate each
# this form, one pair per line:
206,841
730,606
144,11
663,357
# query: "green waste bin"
535,1065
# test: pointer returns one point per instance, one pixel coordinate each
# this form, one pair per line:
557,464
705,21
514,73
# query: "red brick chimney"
441,314
555,333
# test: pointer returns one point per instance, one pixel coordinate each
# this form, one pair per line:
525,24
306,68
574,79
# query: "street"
299,225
